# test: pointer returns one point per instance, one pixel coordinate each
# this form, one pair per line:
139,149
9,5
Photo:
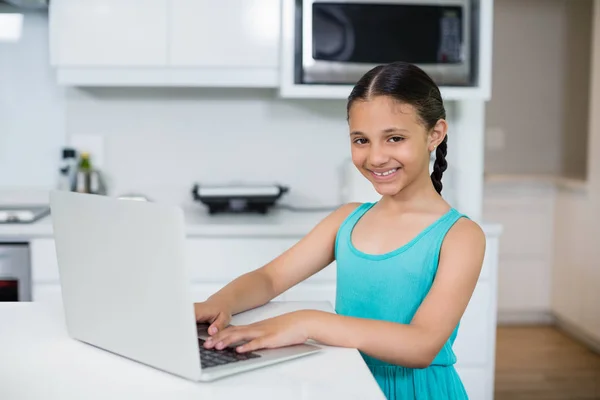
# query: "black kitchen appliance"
243,198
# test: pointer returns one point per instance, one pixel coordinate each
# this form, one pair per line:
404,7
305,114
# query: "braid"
440,165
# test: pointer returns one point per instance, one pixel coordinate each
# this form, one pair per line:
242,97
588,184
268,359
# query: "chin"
388,189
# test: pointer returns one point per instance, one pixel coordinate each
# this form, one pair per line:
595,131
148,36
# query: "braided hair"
408,84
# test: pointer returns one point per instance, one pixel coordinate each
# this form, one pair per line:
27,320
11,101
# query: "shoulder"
467,232
465,242
337,217
346,209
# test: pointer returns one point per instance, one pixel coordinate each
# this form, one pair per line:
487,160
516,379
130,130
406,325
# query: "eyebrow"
388,130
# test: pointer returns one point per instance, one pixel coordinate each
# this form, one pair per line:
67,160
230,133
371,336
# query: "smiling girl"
407,264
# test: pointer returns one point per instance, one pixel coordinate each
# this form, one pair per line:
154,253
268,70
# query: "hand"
284,330
217,315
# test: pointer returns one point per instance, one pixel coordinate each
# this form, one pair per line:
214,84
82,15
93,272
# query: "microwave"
337,41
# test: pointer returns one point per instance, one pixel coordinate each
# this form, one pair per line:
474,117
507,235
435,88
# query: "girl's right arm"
307,257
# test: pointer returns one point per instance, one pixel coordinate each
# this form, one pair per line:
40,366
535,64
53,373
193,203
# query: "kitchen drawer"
224,259
47,293
472,345
490,259
477,382
44,266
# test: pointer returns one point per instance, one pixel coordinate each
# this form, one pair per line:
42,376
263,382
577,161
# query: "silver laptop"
126,287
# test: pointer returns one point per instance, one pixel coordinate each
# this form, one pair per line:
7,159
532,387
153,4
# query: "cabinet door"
44,264
226,33
108,32
474,342
47,293
476,383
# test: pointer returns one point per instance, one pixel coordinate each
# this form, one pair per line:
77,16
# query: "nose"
378,156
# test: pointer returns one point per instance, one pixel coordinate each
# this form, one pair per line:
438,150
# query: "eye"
396,139
360,141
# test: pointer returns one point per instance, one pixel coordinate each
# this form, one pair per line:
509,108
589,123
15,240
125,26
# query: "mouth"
384,175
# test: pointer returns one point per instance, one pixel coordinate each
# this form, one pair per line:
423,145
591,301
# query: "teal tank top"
391,287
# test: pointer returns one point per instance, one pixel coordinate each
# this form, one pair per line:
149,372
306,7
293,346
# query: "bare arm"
416,344
310,255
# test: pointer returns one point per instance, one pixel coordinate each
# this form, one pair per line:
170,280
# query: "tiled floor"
542,363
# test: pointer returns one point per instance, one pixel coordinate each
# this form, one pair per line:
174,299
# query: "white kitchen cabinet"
44,266
526,209
232,40
47,293
231,43
108,33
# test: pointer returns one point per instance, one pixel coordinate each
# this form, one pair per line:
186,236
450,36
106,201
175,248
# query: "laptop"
126,287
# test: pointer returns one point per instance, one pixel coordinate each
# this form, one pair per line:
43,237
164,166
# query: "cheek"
358,156
409,155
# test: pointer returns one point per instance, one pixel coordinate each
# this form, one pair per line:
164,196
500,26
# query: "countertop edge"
43,229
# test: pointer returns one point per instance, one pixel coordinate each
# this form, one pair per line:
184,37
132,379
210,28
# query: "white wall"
537,117
31,108
161,141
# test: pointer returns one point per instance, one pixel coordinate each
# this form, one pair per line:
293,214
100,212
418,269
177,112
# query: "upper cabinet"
108,33
225,33
304,48
165,42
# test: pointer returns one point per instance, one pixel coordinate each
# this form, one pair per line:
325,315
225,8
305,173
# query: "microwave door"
343,39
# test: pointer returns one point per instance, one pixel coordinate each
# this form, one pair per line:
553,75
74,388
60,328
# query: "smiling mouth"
383,175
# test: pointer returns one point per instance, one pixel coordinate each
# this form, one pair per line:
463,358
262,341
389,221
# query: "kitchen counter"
41,361
277,223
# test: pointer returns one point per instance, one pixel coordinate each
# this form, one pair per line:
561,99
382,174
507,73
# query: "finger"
219,324
201,313
212,340
256,344
234,336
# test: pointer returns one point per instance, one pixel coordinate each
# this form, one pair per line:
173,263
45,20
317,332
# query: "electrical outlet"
92,144
495,138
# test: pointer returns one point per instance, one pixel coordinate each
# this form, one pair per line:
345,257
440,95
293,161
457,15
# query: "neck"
416,196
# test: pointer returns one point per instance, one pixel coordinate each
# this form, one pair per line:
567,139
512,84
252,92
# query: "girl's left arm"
412,345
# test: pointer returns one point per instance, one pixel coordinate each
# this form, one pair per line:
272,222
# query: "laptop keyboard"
213,357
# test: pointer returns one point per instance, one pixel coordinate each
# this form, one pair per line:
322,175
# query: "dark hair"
407,84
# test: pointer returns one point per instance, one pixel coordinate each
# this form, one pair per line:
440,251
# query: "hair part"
408,84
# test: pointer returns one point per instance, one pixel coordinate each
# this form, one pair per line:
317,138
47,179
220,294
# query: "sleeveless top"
390,286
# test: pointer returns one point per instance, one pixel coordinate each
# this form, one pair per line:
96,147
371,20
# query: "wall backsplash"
161,141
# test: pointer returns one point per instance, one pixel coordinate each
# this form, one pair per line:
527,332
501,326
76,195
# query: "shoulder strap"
442,230
348,224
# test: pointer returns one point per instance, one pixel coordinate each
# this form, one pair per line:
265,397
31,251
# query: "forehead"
382,112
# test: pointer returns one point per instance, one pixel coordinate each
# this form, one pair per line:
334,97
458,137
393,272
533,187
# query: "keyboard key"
213,357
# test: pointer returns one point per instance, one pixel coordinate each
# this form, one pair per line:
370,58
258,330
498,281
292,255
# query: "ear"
437,134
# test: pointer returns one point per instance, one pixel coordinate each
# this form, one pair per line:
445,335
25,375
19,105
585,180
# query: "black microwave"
337,41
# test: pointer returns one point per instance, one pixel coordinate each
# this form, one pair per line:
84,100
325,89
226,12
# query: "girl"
407,265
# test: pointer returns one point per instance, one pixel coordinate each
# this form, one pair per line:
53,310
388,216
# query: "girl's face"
390,144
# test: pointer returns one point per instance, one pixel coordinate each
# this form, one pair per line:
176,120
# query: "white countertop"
277,223
40,361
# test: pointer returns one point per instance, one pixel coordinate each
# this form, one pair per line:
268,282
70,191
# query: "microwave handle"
340,19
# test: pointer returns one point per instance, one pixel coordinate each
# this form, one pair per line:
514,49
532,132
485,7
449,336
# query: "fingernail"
219,345
212,330
240,348
209,340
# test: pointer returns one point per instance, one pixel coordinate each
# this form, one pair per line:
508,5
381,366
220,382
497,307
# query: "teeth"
391,171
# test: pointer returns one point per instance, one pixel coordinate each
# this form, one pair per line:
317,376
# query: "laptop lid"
124,279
